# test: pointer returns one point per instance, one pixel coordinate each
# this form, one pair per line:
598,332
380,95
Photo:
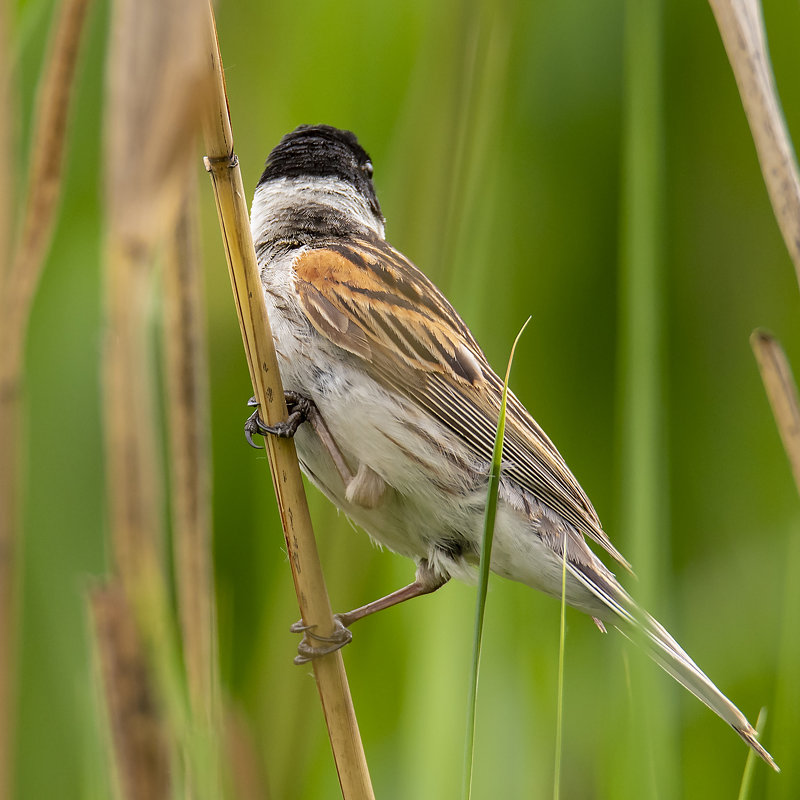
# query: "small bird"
402,407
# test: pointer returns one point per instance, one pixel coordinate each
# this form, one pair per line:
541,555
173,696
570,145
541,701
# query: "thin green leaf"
560,707
483,580
745,790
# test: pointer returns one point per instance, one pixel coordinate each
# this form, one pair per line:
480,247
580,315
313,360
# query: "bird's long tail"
641,628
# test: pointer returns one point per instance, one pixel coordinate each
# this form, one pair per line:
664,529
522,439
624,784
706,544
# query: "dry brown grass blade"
190,460
18,282
257,338
139,741
741,25
782,393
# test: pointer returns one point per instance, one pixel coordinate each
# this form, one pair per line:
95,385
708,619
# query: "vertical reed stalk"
134,469
188,425
156,89
138,734
18,283
312,597
642,361
134,476
8,112
188,422
244,767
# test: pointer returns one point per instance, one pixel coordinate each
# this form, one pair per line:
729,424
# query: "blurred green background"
496,133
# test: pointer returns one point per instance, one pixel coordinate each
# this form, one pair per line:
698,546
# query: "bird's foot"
299,408
313,645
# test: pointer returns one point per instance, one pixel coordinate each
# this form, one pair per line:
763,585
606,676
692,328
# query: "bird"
394,409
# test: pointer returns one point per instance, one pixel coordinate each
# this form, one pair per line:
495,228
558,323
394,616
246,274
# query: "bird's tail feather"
644,630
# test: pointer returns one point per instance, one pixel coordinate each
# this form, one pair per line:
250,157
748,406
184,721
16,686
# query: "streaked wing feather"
370,300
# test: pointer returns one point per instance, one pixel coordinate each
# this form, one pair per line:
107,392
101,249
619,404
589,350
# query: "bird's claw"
321,645
253,425
298,407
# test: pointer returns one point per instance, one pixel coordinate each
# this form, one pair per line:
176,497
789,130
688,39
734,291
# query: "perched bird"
403,409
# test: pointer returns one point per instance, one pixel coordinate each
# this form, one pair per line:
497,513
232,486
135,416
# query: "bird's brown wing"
368,299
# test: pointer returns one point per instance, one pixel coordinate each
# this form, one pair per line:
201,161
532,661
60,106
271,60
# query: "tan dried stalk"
782,393
247,778
8,112
312,596
190,463
741,25
18,283
132,462
154,97
157,88
137,728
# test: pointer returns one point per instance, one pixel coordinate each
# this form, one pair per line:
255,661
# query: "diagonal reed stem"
312,597
782,394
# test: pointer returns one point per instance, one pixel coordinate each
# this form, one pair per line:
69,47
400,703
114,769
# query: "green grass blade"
483,580
745,790
560,706
650,764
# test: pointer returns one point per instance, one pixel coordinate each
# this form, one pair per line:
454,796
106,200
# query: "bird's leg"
427,581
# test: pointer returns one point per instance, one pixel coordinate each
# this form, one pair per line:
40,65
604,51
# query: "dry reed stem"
247,778
741,25
8,428
782,393
18,283
132,462
156,90
8,112
257,339
154,97
141,755
190,462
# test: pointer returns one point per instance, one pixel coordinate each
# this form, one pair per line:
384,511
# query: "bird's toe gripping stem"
299,408
314,645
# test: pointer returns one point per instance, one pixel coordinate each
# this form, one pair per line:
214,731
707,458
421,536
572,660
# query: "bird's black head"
323,151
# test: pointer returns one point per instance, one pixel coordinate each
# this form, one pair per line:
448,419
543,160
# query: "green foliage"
483,573
562,639
530,97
